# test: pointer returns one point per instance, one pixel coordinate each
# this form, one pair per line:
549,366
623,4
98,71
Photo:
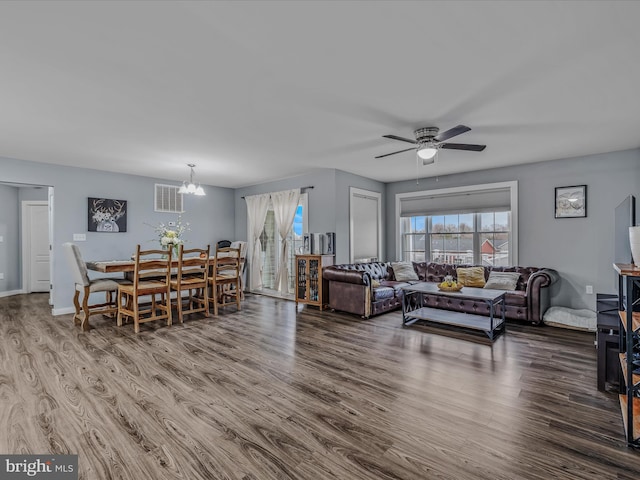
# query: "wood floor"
268,393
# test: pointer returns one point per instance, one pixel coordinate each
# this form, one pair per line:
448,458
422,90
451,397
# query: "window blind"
463,202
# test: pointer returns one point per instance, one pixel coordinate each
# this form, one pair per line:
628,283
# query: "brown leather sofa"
368,289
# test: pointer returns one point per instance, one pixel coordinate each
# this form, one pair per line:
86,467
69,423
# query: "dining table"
126,266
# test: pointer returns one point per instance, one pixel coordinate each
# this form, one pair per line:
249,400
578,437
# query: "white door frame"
26,244
50,195
359,192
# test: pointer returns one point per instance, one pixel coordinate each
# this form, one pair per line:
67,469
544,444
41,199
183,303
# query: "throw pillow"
471,277
503,280
404,272
375,283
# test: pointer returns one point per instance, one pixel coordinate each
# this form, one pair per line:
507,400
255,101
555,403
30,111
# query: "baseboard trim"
62,311
10,293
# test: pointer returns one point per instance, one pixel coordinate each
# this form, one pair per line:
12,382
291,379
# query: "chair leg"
136,316
238,295
121,296
76,303
204,294
214,298
179,302
85,308
168,306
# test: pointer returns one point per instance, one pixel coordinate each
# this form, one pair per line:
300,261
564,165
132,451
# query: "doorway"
365,226
36,246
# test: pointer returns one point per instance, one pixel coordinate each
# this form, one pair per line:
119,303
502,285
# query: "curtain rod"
301,188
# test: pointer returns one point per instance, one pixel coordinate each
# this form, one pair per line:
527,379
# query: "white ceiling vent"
167,199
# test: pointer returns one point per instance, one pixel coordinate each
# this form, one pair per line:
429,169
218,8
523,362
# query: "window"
270,240
461,238
464,225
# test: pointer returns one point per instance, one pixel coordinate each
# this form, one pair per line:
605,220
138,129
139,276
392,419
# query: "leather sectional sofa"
368,289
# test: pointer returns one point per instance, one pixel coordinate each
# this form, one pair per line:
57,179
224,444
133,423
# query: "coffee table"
413,309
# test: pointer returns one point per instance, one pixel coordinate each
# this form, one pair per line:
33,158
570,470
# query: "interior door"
365,224
38,255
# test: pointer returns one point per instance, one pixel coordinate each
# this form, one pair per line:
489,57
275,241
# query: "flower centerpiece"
170,237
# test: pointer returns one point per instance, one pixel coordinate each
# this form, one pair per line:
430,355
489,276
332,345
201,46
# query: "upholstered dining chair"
192,275
225,279
129,295
86,286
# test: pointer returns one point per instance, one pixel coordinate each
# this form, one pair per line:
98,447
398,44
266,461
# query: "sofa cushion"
403,271
380,293
503,280
395,284
471,276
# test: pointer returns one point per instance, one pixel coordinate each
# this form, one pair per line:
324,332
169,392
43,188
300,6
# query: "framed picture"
106,215
571,202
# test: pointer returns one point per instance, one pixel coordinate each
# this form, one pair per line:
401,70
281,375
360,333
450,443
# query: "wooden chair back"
157,262
225,278
192,276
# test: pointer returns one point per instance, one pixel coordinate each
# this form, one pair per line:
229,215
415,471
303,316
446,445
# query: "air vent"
167,199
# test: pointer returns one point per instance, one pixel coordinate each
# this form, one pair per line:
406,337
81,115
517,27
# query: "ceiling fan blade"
452,132
395,137
463,146
400,151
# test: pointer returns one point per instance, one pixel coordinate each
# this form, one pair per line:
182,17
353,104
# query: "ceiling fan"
428,141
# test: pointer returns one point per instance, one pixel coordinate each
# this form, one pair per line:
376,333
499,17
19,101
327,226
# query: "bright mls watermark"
49,467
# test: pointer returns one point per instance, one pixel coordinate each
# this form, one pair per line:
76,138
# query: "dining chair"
243,263
87,286
225,279
129,295
192,276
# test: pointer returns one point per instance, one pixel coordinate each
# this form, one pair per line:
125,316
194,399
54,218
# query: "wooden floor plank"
271,392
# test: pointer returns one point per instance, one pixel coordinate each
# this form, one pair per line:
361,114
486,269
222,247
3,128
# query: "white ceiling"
256,91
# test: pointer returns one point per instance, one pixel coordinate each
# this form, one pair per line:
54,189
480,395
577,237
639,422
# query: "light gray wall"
33,193
581,249
9,247
211,217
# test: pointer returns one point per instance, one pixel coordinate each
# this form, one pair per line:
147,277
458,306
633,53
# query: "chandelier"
190,187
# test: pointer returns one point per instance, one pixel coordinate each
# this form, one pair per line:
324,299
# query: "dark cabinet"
628,299
608,341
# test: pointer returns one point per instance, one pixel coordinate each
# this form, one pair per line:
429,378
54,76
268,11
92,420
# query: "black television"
625,217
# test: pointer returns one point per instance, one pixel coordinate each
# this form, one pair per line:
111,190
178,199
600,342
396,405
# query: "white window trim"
513,189
353,192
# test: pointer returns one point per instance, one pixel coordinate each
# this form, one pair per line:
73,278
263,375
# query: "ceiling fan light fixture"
427,152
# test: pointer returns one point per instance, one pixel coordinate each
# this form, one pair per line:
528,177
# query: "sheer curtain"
285,205
257,206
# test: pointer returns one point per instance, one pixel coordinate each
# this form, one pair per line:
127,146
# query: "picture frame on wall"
571,202
107,215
